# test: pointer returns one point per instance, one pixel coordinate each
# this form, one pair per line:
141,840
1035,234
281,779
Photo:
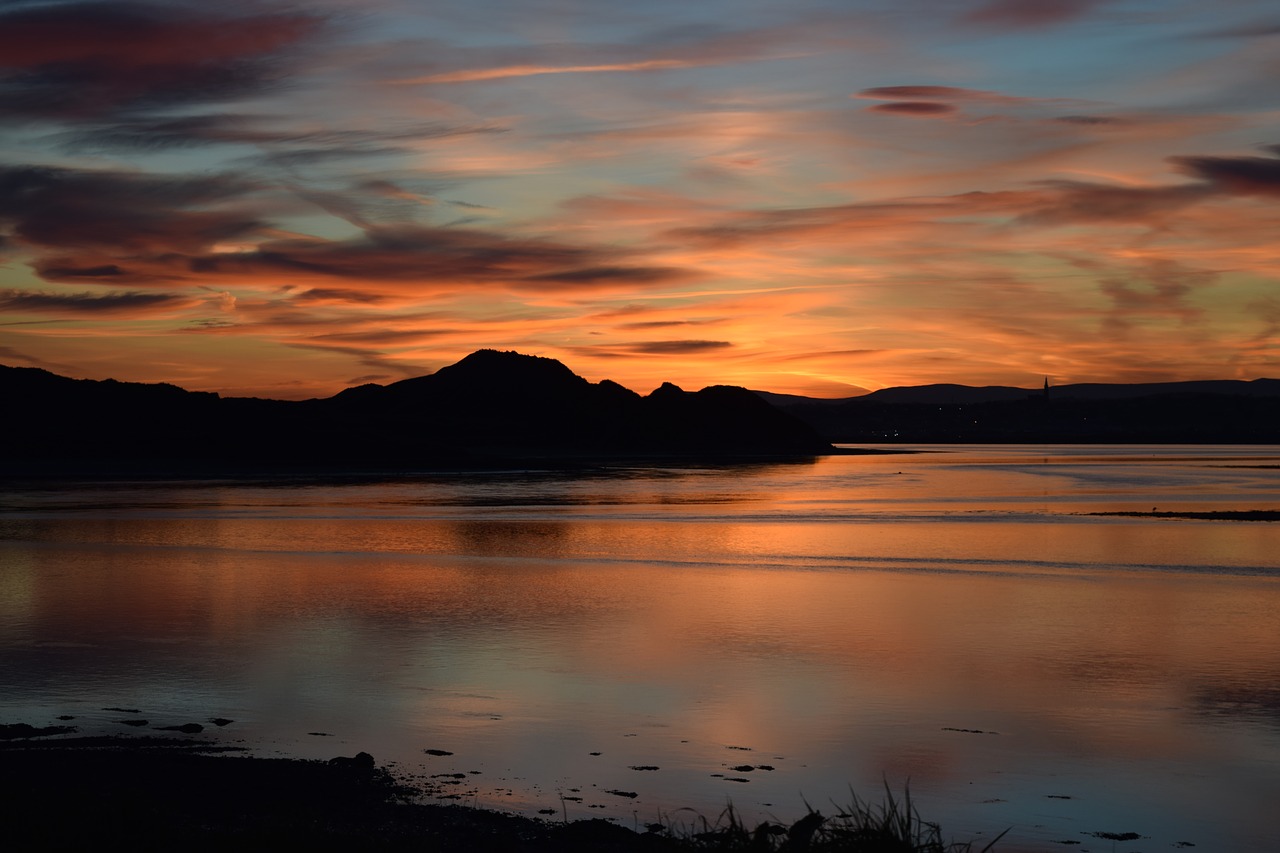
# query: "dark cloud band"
89,303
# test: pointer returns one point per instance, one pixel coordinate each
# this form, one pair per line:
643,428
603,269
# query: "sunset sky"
801,196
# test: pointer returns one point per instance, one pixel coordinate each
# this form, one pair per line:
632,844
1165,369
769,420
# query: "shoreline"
161,792
1206,515
152,792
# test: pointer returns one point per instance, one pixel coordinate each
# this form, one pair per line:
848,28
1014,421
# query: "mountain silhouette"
497,409
1195,412
489,409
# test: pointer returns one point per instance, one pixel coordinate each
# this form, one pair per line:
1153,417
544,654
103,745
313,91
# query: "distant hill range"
1211,411
495,409
490,409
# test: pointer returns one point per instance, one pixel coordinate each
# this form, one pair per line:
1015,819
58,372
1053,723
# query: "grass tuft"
892,826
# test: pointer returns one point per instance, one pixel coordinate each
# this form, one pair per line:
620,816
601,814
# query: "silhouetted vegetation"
861,827
164,794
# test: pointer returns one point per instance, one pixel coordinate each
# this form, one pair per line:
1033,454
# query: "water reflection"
998,649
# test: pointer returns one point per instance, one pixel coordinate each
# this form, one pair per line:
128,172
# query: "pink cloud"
473,75
945,93
88,58
927,109
1029,14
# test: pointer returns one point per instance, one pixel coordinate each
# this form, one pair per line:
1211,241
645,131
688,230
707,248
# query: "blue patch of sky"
1093,60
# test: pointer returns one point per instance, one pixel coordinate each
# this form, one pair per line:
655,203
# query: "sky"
801,196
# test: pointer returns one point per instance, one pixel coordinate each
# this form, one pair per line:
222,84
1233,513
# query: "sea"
969,626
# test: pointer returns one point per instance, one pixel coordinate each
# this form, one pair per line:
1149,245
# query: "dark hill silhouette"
1210,411
946,394
490,408
487,378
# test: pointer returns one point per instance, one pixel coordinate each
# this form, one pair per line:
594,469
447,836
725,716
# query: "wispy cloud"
120,213
1019,14
12,355
674,347
946,93
709,193
914,108
87,303
1259,176
81,59
481,74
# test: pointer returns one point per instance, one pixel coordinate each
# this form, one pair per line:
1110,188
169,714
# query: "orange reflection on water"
983,660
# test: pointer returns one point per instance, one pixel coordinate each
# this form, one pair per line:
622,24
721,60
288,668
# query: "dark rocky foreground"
150,793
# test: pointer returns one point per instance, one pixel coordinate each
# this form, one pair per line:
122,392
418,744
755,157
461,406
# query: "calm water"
953,618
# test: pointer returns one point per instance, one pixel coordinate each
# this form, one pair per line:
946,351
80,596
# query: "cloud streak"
835,197
674,347
436,257
1247,176
914,108
475,75
121,211
83,59
1016,14
88,304
943,93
